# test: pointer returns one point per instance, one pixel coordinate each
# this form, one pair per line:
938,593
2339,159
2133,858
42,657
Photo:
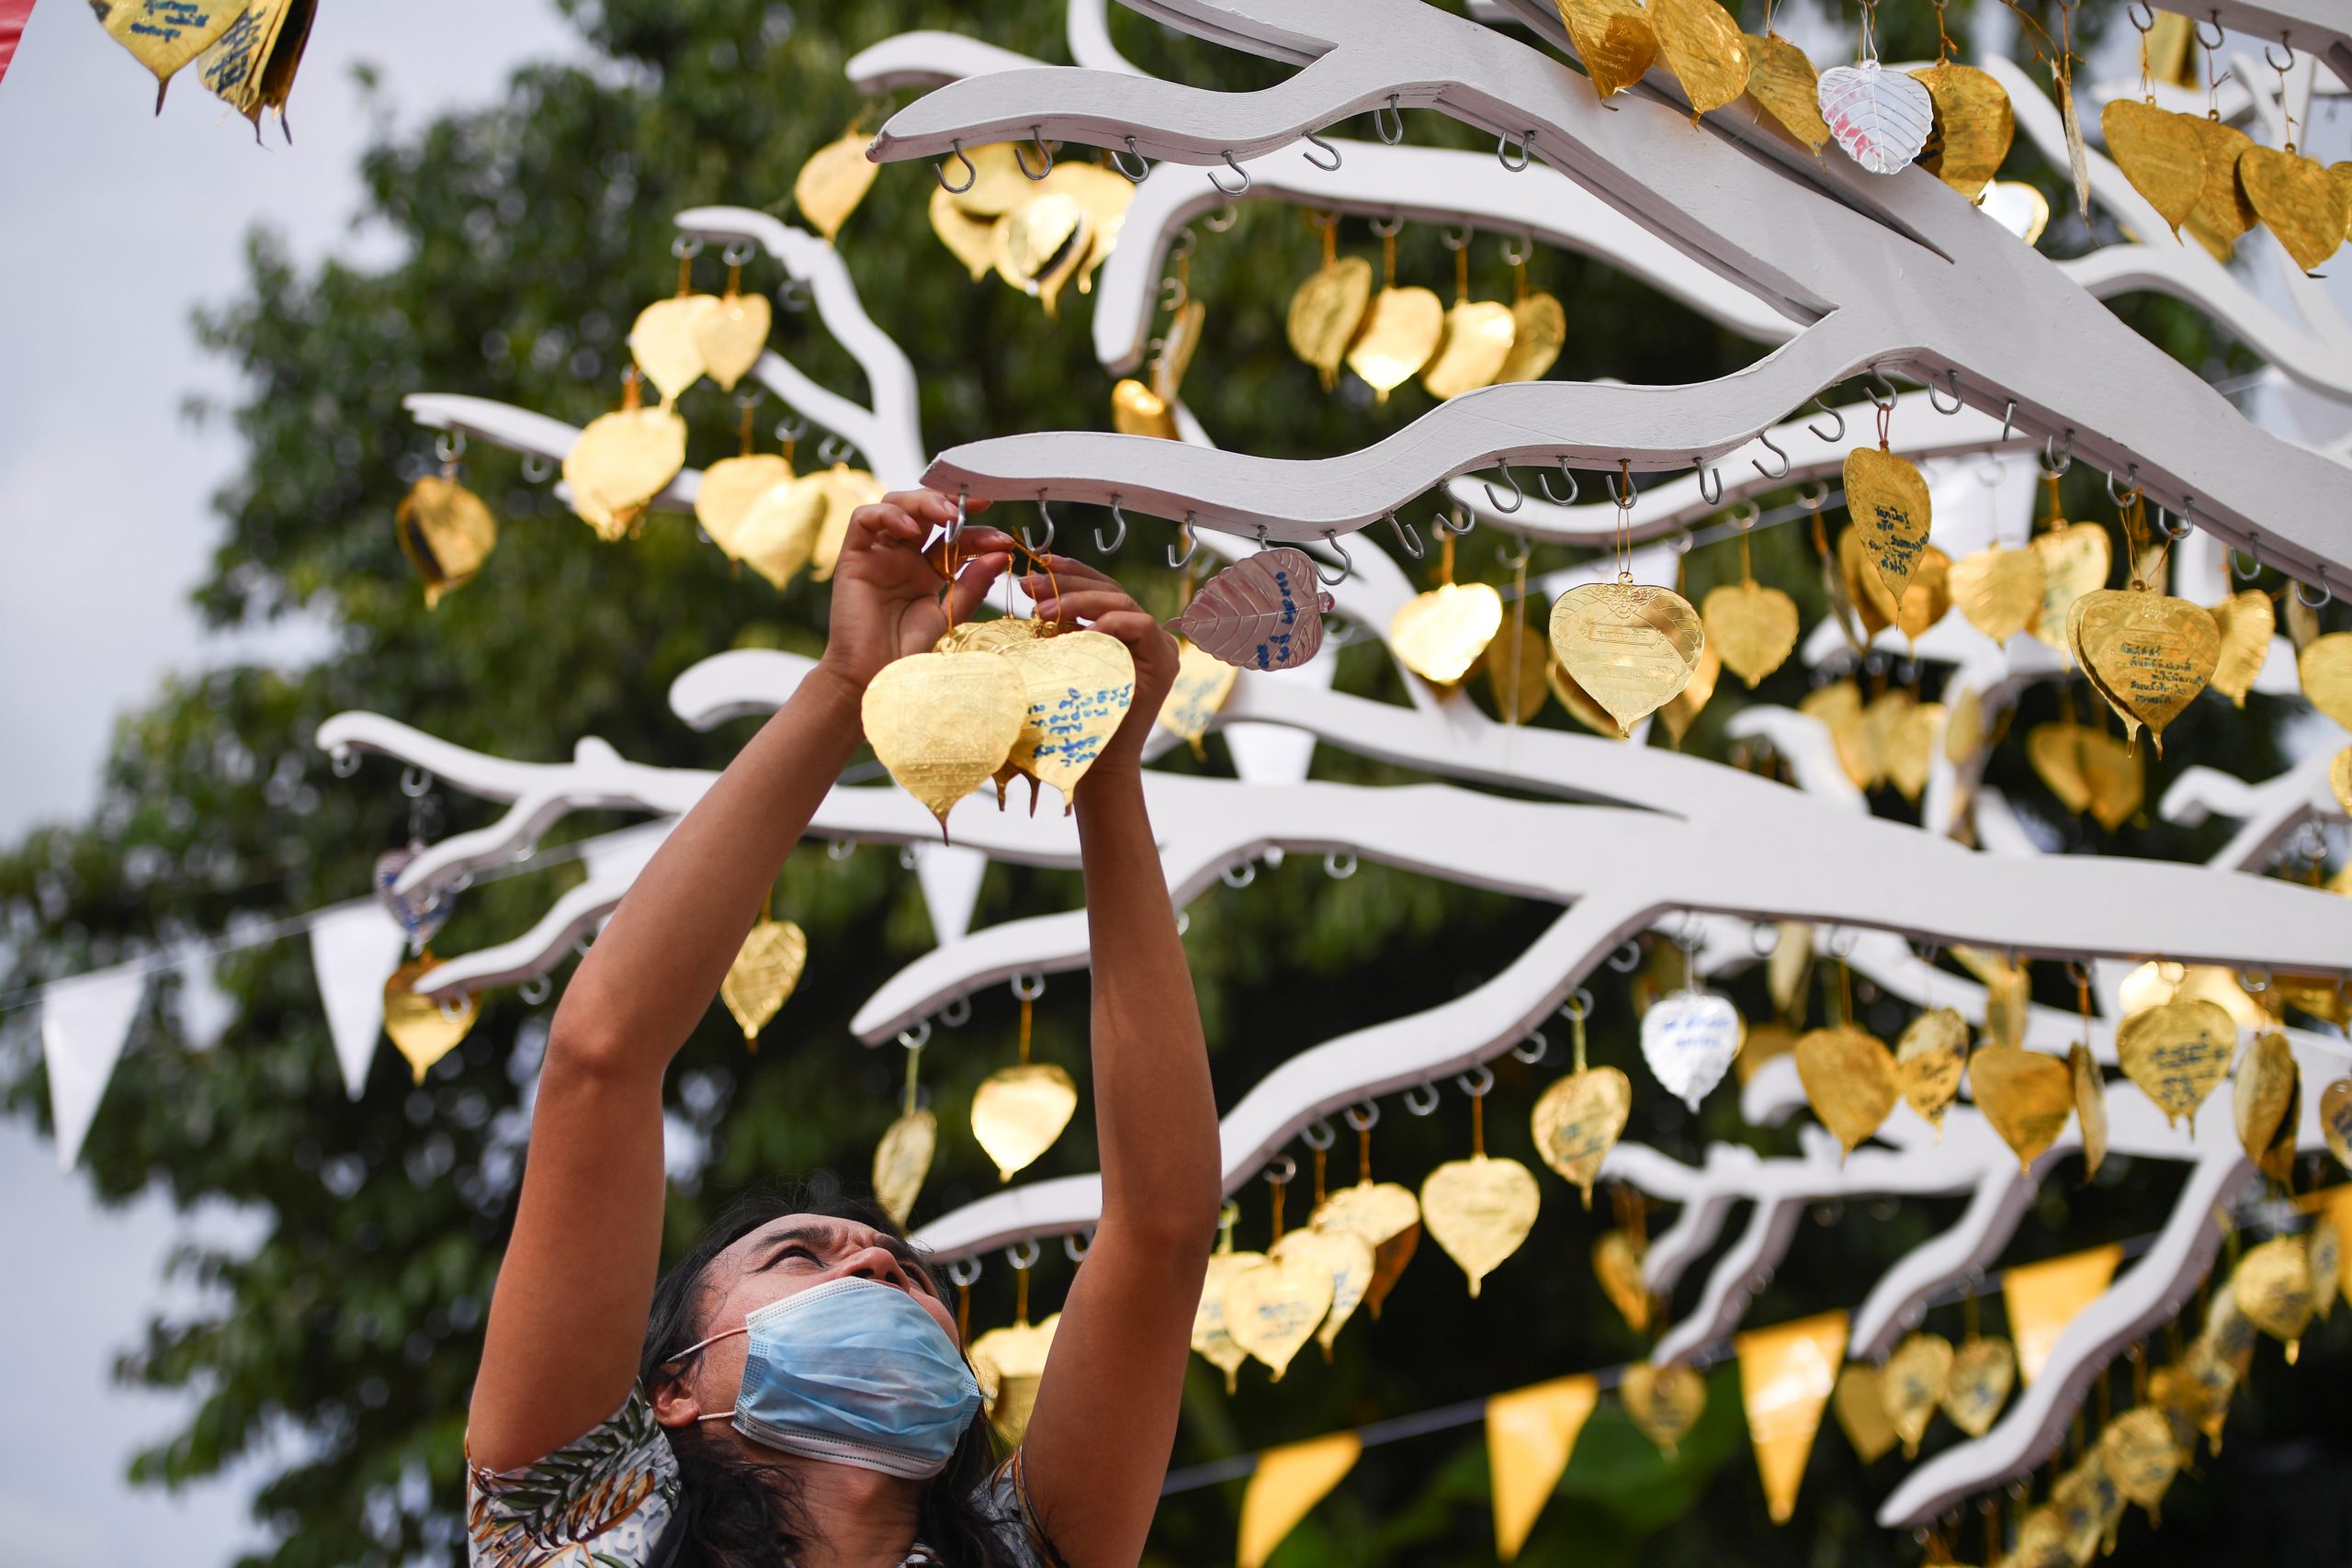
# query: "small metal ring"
1518,250
916,1035
1023,1255
1682,542
1842,940
1280,1171
737,253
1319,1135
1363,1116
1526,150
2131,485
415,783
1712,497
1746,516
1043,151
1241,190
1765,439
449,446
1340,864
1627,958
971,175
1579,1006
1222,220
1119,536
536,989
1388,227
956,1011
1760,930
1030,987
1937,404
1240,874
537,469
1075,1249
791,428
685,247
1346,562
1037,548
1394,117
1407,535
2306,601
1184,245
1456,238
1317,143
793,294
1476,1082
1531,1050
1576,488
963,1271
1419,1107
343,761
1119,161
2058,460
1191,543
1814,496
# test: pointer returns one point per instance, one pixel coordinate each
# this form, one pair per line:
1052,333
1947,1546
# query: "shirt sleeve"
601,1501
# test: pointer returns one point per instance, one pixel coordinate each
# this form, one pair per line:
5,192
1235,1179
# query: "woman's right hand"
886,601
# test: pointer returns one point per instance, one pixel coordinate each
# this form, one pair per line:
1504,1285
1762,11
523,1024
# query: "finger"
971,543
881,524
973,581
1133,628
1086,603
930,505
1066,568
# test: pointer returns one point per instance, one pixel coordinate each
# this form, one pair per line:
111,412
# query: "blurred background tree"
344,1343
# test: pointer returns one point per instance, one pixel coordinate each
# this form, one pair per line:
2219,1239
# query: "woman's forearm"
651,974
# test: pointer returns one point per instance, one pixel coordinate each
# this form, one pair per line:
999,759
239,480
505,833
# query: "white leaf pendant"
1881,118
1261,613
1689,1039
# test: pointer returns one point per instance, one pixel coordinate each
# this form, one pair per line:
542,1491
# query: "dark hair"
734,1514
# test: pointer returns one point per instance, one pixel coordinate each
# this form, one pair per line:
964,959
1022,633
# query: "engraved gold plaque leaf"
1018,1112
970,239
728,489
2160,152
2141,1455
2336,1119
1928,1061
766,968
2263,1089
732,337
1913,1382
1385,1214
1077,687
164,35
1210,1338
997,185
2246,623
1578,700
1787,89
1203,682
1975,125
1982,1372
1705,49
1924,602
1889,503
2090,1105
1349,1259
666,340
419,1028
845,490
1631,646
1440,635
832,182
1472,353
1850,1079
2149,653
1613,41
2113,776
1479,1210
2155,983
2273,1286
1273,1310
1964,730
2025,1096
2296,200
2176,1053
1663,1402
1326,311
2326,668
902,1159
1617,1264
2222,211
447,533
1539,330
252,66
777,533
1137,410
1860,1400
2075,559
1515,662
1999,591
1040,244
1578,1120
944,722
1752,626
1682,709
1399,331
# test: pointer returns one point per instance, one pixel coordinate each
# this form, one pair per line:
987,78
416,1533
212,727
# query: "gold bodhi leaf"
2222,211
447,533
1137,410
1210,1338
1077,687
665,342
1472,350
1273,1310
2090,1106
1975,125
902,1159
2324,667
1983,1371
832,182
1578,1120
1514,663
1889,502
1440,635
1999,591
2178,1052
1630,647
1400,331
1326,311
2265,1103
621,462
943,723
1539,330
1663,1402
2296,200
1018,1112
421,1029
767,969
1479,1210
2248,623
1752,626
2027,1097
1351,1261
2148,654
970,239
1787,89
1913,1384
164,35
1387,1217
2160,152
731,338
1613,39
1849,1078
1929,1059
2075,561
1859,1401
1705,49
1617,1264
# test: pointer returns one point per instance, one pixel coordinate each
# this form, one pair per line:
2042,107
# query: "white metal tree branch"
2272,811
1931,288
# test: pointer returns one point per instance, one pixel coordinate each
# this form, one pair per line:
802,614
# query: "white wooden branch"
2272,811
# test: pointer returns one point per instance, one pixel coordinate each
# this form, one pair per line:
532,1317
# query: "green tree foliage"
342,1343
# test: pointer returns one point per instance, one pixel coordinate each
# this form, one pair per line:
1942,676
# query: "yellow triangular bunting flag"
2043,1298
1785,1376
1531,1432
1288,1482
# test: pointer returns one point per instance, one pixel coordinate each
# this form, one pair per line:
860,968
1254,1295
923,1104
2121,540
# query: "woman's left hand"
886,598
1077,592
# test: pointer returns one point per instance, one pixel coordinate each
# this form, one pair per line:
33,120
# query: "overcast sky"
114,225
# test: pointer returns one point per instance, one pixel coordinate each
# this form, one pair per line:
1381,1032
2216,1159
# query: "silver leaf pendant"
1881,118
1689,1040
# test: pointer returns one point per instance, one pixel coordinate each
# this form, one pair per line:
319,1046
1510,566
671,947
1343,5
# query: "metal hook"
1030,987
739,252
685,247
1765,439
833,449
1886,403
1446,522
1363,1116
2131,485
2008,419
2289,47
963,1271
1531,1050
1240,876
449,446
1347,569
1835,436
1319,1135
1119,161
1407,535
1627,958
2059,461
791,428
1394,117
793,294
1937,404
1814,496
917,1035
1477,1082
1385,227
1420,1106
971,175
1043,151
1626,497
536,989
1526,150
1119,537
1191,543
1712,497
1317,142
1518,496
2326,592
1746,516
2219,38
1456,239
1517,252
415,782
956,1011
1579,1006
1222,220
1231,190
536,469
1543,482
1033,547
1340,864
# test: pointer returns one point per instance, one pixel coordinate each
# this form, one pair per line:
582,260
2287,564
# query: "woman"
793,1393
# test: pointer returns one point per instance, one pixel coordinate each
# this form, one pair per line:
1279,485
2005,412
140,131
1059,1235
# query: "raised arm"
1098,1442
577,1283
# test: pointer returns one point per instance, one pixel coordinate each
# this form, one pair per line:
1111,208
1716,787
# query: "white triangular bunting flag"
950,875
355,948
84,1022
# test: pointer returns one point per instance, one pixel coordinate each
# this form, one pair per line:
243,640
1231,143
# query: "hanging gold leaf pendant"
2090,1106
1849,1078
832,182
1578,1121
1326,311
1077,688
1631,646
731,337
1400,333
2141,1455
1617,1264
1539,330
763,975
1975,125
1888,500
1273,1310
1928,1060
1350,1261
1476,347
1203,682
902,1160
1614,41
2027,1097
1017,1112
2336,1119
1913,1383
1479,1210
1388,1218
943,723
1705,49
164,35
665,342
621,462
2248,623
1008,1364
1785,87
1440,635
2147,653
1999,591
1210,1338
2176,1053
1752,626
1859,1401
422,1028
2324,667
2296,200
1982,1372
1663,1402
2160,152
446,532
2075,561
2266,1101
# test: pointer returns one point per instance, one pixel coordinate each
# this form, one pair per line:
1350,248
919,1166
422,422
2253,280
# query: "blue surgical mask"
857,1372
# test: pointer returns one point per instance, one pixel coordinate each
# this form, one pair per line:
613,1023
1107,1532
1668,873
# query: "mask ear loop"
699,1344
